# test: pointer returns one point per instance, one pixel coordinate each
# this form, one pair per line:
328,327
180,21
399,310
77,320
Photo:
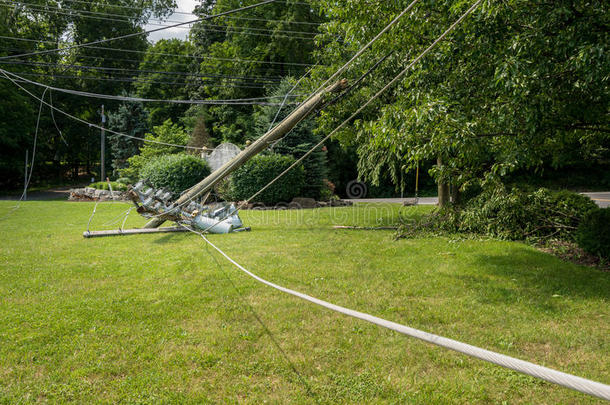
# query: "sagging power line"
240,60
8,75
134,34
242,101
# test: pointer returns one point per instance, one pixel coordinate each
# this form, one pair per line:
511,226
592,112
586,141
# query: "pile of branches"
512,214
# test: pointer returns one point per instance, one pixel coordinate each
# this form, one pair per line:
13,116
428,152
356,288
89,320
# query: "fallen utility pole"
255,148
115,232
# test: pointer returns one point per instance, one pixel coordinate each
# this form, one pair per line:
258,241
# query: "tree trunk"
455,194
443,188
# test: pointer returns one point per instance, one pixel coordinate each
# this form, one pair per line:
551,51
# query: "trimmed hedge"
593,233
175,172
259,171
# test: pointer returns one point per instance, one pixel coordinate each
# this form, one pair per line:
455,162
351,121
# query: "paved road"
601,198
421,201
60,193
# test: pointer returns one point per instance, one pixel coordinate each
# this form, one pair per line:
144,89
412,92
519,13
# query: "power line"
274,21
131,19
258,79
125,79
101,41
133,80
243,101
158,62
125,17
7,73
173,12
167,54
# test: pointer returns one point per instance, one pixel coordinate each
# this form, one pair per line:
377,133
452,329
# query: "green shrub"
103,185
123,180
259,171
175,172
517,215
510,214
161,138
593,233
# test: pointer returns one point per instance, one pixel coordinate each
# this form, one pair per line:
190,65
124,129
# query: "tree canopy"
520,84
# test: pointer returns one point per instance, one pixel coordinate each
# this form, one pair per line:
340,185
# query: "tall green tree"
519,84
248,54
132,119
165,76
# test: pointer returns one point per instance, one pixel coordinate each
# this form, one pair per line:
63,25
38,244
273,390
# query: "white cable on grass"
557,377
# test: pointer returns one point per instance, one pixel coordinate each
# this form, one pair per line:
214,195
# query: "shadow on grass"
171,238
274,340
539,276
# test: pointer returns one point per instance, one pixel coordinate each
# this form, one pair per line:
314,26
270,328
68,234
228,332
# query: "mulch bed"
570,252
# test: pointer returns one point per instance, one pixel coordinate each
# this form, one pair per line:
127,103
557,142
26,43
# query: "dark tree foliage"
165,76
593,233
297,142
132,119
14,139
250,53
46,25
518,85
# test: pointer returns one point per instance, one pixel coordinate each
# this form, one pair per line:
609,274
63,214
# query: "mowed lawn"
163,318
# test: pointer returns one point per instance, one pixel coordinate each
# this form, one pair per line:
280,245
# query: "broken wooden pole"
255,148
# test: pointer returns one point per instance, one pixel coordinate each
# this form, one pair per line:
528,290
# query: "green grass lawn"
163,318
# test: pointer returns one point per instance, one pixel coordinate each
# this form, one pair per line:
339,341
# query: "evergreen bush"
593,234
175,172
259,171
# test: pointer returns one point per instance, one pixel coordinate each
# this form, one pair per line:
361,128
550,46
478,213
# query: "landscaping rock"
92,194
300,202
